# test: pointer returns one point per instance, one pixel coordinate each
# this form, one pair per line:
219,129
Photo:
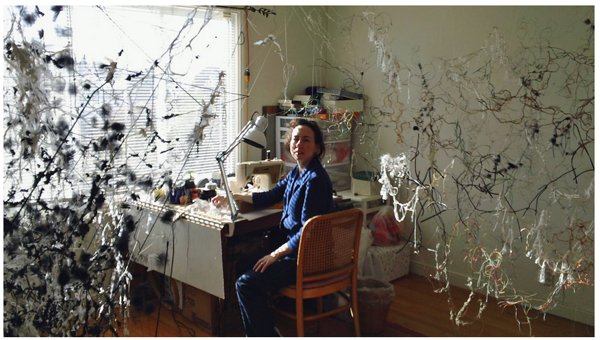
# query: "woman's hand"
264,263
267,260
219,201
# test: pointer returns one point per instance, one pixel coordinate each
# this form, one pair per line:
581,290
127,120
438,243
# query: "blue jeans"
254,289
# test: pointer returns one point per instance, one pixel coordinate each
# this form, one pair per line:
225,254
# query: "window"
175,67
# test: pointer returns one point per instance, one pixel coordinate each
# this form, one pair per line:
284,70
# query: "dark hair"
314,127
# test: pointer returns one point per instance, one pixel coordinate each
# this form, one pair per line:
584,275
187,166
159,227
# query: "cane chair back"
327,263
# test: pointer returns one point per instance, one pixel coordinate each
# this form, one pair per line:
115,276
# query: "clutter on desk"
341,203
160,193
185,192
176,196
209,191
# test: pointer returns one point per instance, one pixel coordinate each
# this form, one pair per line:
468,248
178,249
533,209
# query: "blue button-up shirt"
304,195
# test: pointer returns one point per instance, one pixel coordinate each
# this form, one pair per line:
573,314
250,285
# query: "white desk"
197,247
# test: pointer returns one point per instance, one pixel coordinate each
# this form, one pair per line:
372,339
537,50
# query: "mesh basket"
374,300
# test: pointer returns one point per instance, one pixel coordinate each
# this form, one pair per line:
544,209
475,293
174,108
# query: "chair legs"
300,317
355,314
300,314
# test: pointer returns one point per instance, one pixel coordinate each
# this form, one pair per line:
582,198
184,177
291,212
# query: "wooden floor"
418,308
415,311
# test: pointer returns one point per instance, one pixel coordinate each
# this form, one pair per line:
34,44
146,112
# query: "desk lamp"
252,133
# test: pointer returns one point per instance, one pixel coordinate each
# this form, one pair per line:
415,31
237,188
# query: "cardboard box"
200,308
339,92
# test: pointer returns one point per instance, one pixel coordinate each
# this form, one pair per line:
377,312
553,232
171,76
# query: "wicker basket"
374,300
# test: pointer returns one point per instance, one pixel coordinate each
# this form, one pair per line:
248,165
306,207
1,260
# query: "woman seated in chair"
306,191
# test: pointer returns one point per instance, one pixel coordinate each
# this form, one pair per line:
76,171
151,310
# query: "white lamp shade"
255,136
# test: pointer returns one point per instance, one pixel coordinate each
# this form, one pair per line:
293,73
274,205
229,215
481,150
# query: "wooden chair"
327,263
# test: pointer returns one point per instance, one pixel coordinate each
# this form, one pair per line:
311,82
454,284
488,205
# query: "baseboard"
563,311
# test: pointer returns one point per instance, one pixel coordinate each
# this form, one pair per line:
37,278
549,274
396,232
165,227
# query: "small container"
194,193
177,192
189,184
210,186
207,194
183,199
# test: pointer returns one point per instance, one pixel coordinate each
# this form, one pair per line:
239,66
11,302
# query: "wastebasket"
374,300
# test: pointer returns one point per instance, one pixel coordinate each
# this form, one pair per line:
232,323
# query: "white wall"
448,42
457,39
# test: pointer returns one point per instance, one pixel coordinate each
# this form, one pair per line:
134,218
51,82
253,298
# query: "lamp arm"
221,157
238,139
233,208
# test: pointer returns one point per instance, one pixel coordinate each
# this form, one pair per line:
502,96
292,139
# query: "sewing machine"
263,175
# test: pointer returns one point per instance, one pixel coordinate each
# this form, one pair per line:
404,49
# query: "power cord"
161,296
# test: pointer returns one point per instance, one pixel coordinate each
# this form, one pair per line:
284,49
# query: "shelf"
358,198
338,149
368,204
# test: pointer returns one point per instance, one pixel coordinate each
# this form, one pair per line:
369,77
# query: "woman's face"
302,145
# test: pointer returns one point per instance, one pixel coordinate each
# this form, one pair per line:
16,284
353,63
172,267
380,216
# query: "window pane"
172,70
188,63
